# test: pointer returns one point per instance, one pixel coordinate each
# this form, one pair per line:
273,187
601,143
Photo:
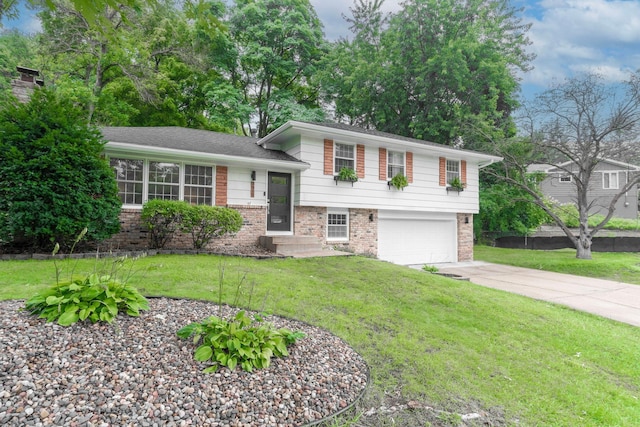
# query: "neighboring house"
286,184
606,181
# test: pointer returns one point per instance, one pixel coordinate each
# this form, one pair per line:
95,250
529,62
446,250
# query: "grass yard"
619,266
452,345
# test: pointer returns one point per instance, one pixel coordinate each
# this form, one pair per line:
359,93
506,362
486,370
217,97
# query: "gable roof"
195,142
353,133
559,168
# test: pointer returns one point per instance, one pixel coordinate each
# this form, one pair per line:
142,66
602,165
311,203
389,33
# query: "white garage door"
413,238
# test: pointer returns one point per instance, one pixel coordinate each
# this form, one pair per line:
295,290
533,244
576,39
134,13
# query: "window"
344,157
395,163
198,184
130,178
565,178
164,181
610,180
338,225
453,170
139,181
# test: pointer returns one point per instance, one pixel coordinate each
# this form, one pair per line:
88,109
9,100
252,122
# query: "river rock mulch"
137,372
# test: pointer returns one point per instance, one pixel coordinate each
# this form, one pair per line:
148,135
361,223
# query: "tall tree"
574,126
278,44
445,70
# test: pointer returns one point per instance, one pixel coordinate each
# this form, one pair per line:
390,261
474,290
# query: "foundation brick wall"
363,233
465,237
310,221
134,236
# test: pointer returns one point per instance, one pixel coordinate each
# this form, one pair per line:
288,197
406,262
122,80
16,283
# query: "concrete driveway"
606,298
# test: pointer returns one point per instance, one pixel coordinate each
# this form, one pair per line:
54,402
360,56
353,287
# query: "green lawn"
448,344
619,266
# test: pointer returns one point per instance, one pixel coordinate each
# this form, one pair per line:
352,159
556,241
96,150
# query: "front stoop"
291,245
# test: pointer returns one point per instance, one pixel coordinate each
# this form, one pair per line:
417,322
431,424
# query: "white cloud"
571,36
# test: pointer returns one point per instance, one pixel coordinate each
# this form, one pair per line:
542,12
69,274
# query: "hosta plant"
95,298
242,341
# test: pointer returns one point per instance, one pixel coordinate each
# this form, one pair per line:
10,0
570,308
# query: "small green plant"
399,181
242,341
430,268
347,174
456,184
96,297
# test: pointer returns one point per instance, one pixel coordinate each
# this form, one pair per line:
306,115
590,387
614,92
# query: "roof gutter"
222,159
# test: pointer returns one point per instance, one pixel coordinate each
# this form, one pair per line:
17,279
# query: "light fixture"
370,217
253,175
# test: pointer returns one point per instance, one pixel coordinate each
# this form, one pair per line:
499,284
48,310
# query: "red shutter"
443,171
221,185
328,157
463,171
360,160
409,160
382,169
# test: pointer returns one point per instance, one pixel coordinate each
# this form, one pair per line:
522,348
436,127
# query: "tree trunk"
584,242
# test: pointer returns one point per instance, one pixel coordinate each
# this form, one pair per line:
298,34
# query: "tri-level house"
608,178
325,182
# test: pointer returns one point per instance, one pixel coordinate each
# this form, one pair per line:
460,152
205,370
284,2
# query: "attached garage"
416,237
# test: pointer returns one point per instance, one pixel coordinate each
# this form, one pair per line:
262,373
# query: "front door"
279,210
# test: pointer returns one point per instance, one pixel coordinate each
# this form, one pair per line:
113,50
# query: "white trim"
377,140
115,149
611,173
338,211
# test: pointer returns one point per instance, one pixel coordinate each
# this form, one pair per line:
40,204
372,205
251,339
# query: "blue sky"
569,36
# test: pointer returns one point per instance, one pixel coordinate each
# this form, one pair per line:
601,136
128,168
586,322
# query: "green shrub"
207,222
399,181
53,180
163,219
95,298
238,342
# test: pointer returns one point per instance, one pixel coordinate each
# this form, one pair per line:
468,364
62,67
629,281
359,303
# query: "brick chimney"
23,87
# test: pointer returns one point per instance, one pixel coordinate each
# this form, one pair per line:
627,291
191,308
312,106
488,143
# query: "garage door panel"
416,241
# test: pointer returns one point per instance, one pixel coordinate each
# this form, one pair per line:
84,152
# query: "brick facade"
134,236
465,237
363,232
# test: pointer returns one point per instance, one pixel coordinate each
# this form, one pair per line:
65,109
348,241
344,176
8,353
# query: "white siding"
239,186
424,194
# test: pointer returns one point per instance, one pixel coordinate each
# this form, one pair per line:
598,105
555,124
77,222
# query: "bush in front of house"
165,217
205,223
53,180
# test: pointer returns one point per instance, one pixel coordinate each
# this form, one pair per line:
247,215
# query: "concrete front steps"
297,246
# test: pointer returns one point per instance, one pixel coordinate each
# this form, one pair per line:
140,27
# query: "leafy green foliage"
436,70
95,298
277,44
347,174
166,217
53,180
430,268
207,222
506,208
399,181
238,342
163,218
568,213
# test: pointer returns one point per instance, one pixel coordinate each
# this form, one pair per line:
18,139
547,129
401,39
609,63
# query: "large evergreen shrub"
53,180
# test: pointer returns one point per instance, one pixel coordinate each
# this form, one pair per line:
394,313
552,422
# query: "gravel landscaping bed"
138,372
